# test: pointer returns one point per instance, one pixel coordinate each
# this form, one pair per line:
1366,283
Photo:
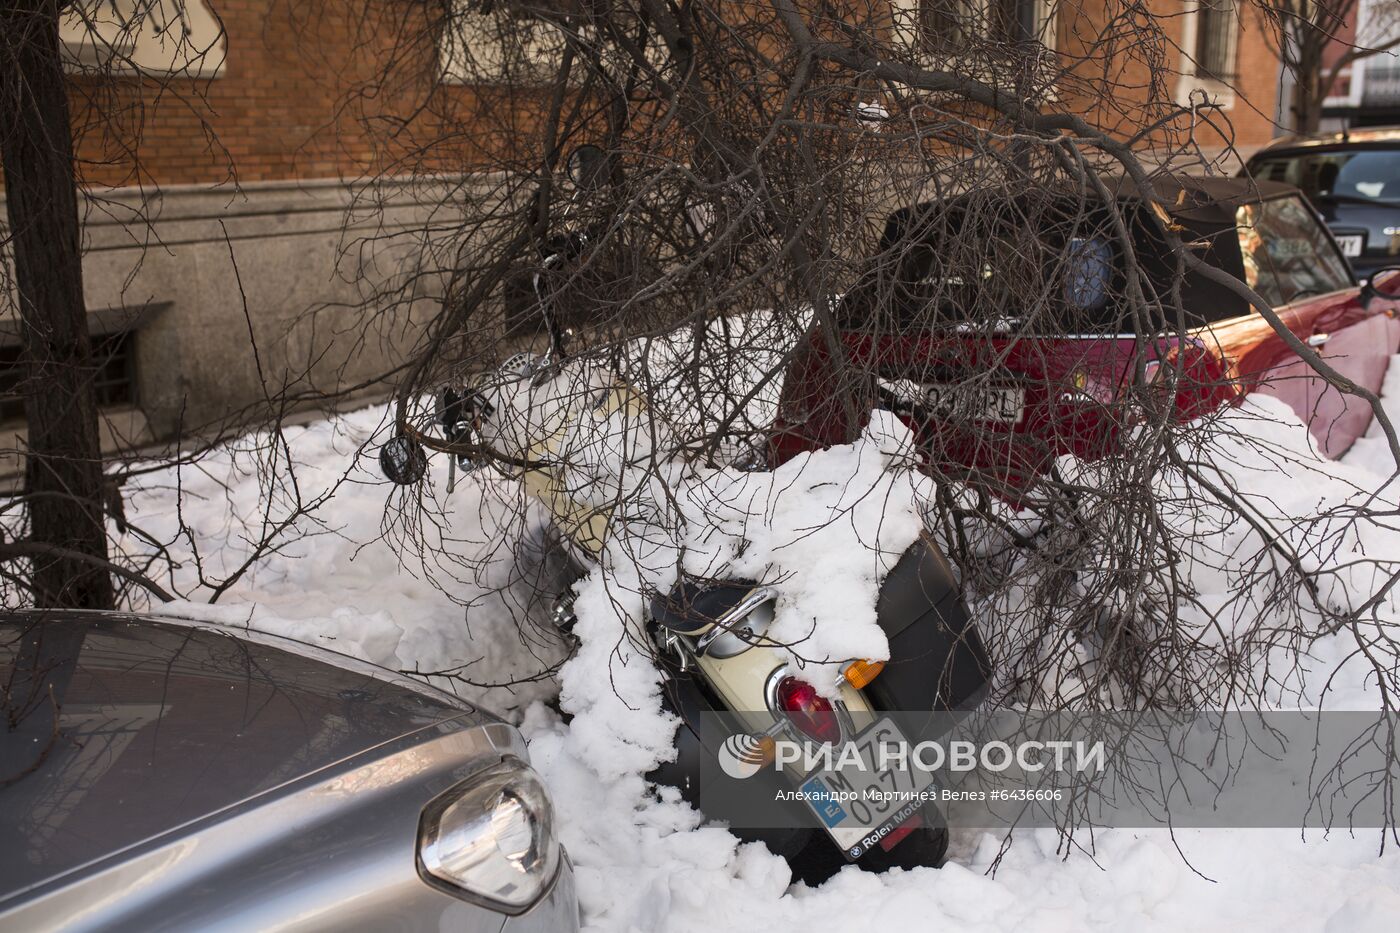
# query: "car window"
1288,255
1035,281
1051,267
1089,262
1366,174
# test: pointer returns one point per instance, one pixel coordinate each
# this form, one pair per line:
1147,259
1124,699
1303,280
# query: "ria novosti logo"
745,754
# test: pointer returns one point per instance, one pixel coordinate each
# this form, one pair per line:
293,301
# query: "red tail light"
1201,378
1204,384
810,712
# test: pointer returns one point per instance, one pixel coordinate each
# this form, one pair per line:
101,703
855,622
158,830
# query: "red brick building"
269,102
1367,91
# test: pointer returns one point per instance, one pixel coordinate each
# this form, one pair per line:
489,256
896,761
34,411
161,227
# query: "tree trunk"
1307,81
64,463
1307,106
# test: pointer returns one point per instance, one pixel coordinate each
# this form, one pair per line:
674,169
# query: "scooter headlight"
491,838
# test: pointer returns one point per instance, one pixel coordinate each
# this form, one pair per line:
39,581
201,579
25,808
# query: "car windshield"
1287,253
1357,174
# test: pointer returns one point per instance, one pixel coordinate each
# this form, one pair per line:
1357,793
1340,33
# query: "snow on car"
646,861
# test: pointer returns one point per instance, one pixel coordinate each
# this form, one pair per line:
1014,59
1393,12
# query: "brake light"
807,710
1202,385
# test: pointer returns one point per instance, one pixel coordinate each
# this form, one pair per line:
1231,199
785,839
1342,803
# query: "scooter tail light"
808,711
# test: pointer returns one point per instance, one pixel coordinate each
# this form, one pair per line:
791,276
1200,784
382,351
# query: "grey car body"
196,777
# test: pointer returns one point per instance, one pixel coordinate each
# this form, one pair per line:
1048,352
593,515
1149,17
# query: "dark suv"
1353,179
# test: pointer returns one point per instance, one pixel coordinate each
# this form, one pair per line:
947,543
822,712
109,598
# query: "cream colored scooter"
540,418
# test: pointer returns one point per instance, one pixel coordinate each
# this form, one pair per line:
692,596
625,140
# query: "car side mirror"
1369,291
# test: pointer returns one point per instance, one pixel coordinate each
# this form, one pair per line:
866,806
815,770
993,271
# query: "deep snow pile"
346,586
644,861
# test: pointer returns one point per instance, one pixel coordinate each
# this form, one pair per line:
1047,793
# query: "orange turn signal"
860,673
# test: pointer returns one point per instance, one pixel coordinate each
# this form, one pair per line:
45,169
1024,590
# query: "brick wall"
280,110
1258,83
1115,55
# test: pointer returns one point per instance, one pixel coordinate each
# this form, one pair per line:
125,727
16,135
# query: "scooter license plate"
859,803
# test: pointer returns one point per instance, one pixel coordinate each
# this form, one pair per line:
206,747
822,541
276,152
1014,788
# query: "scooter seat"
693,604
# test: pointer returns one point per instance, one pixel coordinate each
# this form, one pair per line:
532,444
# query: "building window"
114,378
1381,87
483,41
11,384
946,25
952,25
1014,21
1215,39
143,36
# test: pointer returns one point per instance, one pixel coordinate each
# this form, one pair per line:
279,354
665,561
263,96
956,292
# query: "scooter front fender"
938,661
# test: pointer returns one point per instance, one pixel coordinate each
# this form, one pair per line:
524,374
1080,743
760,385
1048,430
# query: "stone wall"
312,270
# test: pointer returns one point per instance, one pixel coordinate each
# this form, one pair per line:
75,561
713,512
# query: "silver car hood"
115,729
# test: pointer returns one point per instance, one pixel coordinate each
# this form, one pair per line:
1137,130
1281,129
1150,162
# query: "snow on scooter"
589,448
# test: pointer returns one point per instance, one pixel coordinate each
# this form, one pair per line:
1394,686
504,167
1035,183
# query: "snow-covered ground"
644,860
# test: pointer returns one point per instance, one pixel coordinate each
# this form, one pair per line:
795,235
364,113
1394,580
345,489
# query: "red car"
998,325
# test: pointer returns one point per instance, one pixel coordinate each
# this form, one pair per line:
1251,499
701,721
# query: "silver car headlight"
491,838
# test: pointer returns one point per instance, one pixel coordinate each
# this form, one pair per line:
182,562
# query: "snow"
645,861
349,586
792,526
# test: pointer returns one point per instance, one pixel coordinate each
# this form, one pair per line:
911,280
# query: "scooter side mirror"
587,166
403,460
460,412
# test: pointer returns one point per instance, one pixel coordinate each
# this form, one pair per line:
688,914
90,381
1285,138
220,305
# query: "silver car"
160,774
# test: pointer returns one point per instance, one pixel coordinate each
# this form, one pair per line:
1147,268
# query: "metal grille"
114,381
1382,82
944,25
1215,38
